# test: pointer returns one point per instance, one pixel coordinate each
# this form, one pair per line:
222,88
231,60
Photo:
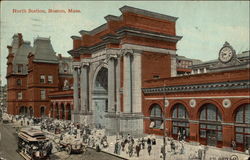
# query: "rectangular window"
50,79
175,130
239,138
43,94
219,136
42,78
19,95
203,134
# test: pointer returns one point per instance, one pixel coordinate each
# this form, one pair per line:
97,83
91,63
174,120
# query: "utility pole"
164,123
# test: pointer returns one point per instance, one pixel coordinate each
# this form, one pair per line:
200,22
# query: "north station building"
128,78
34,75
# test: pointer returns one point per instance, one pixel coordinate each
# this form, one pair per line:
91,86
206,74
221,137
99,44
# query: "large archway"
210,125
100,96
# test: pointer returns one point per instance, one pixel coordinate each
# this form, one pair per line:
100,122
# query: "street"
8,142
8,146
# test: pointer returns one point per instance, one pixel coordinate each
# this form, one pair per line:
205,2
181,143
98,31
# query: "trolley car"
33,144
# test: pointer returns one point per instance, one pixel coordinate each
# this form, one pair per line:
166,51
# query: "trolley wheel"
68,149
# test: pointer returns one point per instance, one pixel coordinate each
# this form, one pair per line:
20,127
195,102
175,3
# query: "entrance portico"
99,85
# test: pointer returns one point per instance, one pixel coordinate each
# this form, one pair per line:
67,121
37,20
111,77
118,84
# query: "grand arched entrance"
100,96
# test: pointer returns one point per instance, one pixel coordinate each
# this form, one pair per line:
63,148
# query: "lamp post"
164,123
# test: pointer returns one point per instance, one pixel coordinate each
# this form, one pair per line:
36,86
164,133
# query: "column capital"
76,65
130,51
84,64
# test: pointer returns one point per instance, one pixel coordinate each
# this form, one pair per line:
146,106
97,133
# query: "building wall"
236,97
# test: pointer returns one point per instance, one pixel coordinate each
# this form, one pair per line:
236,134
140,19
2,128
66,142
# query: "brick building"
111,63
32,73
125,77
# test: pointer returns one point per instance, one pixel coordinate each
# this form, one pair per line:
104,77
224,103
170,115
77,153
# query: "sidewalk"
189,149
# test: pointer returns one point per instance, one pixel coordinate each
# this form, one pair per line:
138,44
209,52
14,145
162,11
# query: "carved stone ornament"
166,102
192,103
226,103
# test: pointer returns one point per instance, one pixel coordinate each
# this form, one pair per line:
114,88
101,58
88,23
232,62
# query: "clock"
226,53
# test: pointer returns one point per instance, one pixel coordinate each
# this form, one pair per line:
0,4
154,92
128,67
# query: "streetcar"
33,144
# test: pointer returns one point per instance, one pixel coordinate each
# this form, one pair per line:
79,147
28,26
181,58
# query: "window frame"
156,118
20,95
44,79
43,96
50,79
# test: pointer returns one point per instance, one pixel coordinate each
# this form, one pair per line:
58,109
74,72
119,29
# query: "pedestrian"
137,148
172,146
179,135
162,151
130,149
119,149
149,148
233,145
143,144
123,145
149,141
116,148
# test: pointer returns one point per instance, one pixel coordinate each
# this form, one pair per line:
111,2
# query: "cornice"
244,84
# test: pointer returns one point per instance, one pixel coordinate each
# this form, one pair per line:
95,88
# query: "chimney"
20,39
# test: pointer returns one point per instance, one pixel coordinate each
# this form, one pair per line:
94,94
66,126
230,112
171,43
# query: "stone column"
111,85
65,111
118,70
127,95
84,88
136,83
54,110
76,92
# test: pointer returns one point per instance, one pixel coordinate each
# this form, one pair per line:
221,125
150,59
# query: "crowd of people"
95,137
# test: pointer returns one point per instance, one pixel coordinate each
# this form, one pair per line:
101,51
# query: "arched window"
210,124
42,111
180,121
242,126
156,117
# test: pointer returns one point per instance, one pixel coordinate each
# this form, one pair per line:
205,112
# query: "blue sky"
205,26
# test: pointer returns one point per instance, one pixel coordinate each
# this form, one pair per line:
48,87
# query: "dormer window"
19,68
65,67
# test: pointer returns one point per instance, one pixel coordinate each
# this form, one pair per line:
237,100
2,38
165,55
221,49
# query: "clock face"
225,54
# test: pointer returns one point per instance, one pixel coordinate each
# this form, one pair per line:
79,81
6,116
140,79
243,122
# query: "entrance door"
247,142
211,138
100,106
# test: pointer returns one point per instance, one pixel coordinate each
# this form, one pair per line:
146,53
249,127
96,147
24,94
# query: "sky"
205,26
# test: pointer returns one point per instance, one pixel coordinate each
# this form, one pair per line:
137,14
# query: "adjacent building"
32,73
